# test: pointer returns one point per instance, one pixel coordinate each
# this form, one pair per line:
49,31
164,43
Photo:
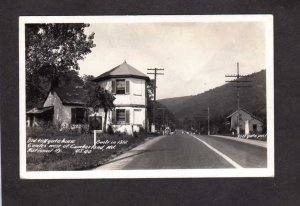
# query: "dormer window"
120,86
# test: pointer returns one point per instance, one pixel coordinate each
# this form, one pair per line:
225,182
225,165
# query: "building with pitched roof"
67,106
64,106
129,87
247,121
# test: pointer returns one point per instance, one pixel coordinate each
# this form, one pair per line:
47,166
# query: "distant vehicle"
179,131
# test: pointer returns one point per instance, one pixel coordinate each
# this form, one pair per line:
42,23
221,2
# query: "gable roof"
241,109
72,95
122,70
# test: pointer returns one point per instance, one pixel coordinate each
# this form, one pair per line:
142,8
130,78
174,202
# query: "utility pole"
208,129
155,73
208,118
238,86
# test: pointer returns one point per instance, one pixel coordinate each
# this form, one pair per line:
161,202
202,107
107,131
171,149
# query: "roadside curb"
252,142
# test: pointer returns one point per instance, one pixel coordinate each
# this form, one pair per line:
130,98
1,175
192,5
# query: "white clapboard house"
66,106
129,87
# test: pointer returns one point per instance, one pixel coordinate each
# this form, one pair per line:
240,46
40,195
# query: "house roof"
72,95
122,70
36,110
241,109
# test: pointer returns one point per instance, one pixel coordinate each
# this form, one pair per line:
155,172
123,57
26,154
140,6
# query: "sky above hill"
195,56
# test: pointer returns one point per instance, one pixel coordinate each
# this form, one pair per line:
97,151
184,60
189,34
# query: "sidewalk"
248,141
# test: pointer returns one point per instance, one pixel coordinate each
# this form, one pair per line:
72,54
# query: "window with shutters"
120,86
78,116
122,116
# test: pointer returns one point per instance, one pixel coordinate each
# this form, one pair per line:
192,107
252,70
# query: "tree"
150,99
88,83
101,98
51,51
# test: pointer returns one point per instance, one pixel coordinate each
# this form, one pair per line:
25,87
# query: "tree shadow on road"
139,152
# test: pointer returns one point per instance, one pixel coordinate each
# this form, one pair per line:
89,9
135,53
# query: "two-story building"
129,87
66,107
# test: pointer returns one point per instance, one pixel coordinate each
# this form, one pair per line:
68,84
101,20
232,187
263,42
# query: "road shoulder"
247,141
120,161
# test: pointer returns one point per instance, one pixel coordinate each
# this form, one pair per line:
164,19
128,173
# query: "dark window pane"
77,115
120,116
120,86
73,115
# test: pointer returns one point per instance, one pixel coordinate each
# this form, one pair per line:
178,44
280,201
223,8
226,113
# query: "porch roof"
36,110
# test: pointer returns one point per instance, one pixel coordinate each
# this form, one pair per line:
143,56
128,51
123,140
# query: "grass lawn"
70,158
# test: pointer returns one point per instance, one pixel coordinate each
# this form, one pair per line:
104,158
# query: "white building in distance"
247,121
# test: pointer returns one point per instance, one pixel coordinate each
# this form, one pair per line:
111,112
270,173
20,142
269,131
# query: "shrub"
142,130
135,134
110,130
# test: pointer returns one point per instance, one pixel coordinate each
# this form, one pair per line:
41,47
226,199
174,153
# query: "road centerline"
228,159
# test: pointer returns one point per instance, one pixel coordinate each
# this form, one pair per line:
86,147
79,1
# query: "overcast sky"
195,56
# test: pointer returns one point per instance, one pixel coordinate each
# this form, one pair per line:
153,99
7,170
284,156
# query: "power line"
208,118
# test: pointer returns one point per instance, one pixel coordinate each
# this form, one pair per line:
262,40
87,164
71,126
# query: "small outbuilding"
248,123
64,107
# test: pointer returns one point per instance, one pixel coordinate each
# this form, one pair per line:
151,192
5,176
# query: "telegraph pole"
208,129
208,118
155,73
238,86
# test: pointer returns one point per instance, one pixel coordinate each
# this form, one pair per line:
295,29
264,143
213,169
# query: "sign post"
95,124
95,138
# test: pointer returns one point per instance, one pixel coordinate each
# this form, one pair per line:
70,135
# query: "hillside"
222,100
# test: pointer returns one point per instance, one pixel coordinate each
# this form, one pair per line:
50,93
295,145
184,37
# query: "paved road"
190,152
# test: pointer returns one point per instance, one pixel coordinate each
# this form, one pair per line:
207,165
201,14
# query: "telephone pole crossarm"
238,85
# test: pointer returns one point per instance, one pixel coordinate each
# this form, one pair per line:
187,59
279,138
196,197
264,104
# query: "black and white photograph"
146,96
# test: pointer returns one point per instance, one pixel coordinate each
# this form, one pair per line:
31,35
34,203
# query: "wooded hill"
222,100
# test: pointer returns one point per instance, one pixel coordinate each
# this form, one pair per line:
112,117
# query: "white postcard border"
164,173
